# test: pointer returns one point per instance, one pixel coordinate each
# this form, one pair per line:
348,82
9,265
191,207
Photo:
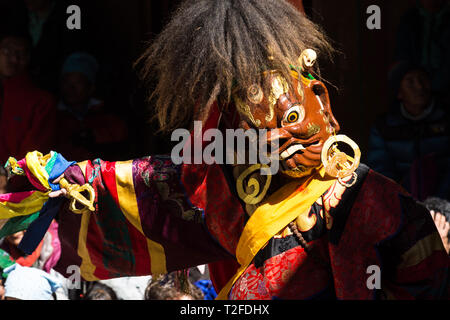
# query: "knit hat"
26,283
396,74
81,62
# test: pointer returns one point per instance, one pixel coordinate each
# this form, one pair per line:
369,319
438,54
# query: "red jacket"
27,118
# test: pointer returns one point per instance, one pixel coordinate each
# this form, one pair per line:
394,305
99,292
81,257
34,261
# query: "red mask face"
300,118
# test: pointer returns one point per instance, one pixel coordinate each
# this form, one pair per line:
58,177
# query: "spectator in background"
87,127
3,180
167,287
411,143
2,290
200,277
207,288
11,244
100,291
27,114
38,13
5,262
52,41
128,288
423,38
43,258
440,211
25,283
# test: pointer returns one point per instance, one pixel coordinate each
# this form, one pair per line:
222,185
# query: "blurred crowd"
49,97
411,142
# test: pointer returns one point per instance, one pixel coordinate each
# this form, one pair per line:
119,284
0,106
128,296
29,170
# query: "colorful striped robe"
154,217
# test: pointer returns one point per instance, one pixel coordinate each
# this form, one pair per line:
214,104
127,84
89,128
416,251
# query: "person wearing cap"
423,37
440,211
27,283
410,142
86,126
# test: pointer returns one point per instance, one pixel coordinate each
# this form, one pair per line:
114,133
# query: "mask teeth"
291,150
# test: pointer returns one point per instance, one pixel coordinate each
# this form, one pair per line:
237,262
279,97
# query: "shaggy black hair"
101,291
165,287
210,46
438,205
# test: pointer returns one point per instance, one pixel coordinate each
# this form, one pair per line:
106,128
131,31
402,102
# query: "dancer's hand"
58,193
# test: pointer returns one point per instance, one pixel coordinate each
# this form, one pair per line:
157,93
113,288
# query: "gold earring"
338,164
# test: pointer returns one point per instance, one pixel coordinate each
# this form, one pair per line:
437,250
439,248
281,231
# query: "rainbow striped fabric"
144,221
40,171
144,224
32,210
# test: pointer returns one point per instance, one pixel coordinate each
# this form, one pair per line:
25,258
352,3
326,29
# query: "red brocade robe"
155,217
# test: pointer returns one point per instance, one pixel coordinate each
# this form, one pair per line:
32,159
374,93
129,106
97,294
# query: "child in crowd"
168,287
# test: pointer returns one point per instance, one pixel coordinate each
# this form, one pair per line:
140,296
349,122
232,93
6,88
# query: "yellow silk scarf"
274,215
34,201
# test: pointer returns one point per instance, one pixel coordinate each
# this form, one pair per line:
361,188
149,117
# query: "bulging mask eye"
294,114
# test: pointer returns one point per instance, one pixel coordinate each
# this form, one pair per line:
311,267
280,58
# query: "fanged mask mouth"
296,147
291,150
